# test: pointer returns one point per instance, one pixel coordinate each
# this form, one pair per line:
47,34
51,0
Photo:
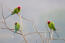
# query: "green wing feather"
53,27
15,11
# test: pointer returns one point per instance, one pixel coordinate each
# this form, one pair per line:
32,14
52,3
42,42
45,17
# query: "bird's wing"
15,27
14,11
53,26
18,26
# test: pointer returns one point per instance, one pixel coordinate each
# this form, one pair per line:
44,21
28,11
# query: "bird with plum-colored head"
16,10
51,25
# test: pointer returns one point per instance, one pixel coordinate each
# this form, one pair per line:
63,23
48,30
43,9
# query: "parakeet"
15,11
51,25
17,27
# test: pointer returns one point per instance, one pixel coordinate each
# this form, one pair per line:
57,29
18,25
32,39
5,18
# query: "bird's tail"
56,34
7,16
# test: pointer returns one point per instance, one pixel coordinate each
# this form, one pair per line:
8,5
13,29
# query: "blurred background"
39,11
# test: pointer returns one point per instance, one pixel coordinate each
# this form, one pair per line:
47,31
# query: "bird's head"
19,7
48,22
15,23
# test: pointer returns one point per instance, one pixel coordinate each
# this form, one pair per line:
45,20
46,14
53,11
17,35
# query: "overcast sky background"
37,10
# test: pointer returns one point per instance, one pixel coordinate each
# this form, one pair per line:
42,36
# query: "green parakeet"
15,11
17,27
51,25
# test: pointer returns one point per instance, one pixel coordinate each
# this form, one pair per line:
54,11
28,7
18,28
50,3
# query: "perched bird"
51,25
17,27
15,11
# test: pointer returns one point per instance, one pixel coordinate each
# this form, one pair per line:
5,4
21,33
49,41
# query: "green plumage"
15,11
52,26
17,27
